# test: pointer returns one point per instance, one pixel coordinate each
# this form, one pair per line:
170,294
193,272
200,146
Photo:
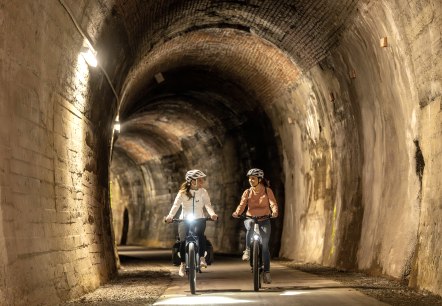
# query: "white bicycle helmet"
194,174
256,172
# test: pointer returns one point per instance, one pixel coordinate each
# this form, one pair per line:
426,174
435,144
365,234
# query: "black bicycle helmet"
256,172
194,174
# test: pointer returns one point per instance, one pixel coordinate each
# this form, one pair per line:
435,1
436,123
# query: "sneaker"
182,269
203,263
267,279
245,255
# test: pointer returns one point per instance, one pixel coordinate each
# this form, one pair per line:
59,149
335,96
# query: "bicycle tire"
256,280
192,268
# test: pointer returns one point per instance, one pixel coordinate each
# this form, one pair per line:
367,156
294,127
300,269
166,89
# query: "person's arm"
208,205
273,203
242,204
176,205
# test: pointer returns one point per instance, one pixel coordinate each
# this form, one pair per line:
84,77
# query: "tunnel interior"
217,92
338,102
184,122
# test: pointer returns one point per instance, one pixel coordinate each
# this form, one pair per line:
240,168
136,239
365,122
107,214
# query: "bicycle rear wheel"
192,268
256,279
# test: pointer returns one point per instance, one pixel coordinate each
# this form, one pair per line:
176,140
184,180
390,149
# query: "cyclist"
192,197
260,201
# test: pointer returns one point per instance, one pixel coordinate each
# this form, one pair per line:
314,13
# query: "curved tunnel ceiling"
216,82
221,61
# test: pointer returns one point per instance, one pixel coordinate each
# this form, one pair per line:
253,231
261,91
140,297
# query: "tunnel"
338,102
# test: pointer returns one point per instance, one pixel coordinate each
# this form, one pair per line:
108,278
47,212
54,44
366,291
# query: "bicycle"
192,251
255,256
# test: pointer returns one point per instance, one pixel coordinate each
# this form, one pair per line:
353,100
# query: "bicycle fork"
256,257
256,237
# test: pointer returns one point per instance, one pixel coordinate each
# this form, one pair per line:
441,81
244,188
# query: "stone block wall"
55,234
383,107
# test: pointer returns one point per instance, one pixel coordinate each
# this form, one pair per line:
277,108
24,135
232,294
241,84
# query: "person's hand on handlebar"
214,217
235,215
168,219
274,214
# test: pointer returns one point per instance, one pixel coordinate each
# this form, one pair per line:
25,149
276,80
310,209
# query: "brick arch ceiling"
306,29
224,51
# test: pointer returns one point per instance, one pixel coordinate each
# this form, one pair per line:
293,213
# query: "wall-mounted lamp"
89,56
117,125
383,42
331,97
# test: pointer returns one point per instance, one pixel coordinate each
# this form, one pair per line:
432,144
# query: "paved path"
229,282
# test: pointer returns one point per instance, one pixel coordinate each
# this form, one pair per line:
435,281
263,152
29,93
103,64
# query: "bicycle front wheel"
192,267
256,280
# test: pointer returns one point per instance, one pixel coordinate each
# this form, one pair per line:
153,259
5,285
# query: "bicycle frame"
192,252
255,256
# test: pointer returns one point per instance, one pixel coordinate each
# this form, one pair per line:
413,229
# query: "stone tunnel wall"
423,31
55,234
385,103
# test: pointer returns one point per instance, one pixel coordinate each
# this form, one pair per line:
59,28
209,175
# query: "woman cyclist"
260,201
192,198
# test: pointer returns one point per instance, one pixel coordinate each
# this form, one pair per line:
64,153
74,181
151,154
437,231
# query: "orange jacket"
259,204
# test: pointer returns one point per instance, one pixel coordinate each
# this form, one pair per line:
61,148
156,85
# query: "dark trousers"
199,227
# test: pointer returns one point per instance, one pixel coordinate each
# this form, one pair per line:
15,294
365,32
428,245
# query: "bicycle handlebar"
176,220
256,218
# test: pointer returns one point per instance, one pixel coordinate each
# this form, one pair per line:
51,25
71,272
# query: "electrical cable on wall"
92,49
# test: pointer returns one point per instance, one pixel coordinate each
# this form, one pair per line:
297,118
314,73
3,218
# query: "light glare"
201,300
90,58
293,292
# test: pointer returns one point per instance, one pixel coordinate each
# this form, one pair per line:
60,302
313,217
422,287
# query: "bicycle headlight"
190,217
256,237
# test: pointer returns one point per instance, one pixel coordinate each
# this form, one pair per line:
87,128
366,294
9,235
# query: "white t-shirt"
193,205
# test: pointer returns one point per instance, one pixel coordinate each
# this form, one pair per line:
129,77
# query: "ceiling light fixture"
117,125
90,56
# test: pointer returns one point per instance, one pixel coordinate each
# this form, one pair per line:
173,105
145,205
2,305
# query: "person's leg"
182,232
248,223
200,228
265,228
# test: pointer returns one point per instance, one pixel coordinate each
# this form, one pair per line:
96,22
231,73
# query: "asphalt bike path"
228,281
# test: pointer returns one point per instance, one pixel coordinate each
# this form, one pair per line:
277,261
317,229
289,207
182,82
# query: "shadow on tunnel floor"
133,253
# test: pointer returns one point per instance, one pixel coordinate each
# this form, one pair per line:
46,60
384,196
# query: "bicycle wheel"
192,267
255,267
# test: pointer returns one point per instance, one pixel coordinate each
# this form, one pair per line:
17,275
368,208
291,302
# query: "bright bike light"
256,237
190,217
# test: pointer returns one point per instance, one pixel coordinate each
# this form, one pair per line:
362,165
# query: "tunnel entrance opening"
125,227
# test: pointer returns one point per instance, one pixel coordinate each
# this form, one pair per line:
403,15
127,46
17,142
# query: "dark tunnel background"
230,113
